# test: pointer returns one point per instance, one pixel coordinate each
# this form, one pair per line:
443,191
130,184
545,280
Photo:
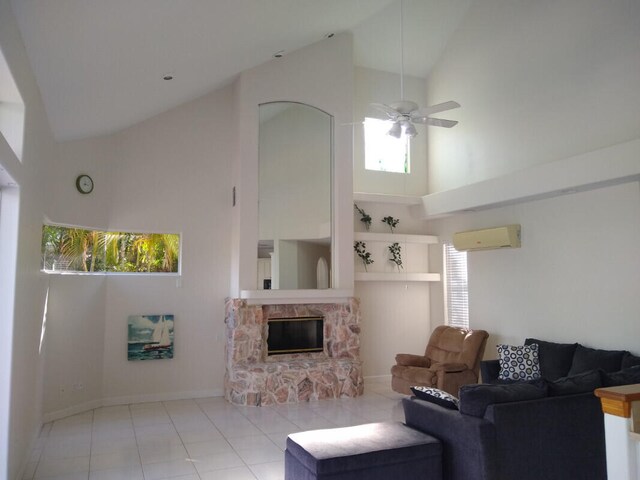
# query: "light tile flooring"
203,439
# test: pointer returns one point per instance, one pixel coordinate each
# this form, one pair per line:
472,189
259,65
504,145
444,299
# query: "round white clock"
84,184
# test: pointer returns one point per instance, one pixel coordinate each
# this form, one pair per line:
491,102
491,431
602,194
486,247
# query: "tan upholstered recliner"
452,359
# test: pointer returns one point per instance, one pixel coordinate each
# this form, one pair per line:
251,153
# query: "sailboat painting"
150,337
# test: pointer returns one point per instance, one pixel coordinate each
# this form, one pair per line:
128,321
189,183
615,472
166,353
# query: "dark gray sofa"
548,429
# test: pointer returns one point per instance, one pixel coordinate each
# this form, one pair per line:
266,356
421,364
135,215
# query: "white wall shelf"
396,277
386,198
415,258
394,237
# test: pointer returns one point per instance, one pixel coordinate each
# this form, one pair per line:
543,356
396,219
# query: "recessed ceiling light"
278,54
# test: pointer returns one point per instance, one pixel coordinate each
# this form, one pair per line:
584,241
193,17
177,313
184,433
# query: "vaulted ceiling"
100,64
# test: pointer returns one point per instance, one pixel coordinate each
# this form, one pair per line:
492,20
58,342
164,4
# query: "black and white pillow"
519,363
434,395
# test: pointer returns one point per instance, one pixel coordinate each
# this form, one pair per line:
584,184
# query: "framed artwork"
150,337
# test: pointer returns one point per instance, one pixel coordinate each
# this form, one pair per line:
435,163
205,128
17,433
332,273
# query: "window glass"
93,251
456,287
383,152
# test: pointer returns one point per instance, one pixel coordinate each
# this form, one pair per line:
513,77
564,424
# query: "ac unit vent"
488,238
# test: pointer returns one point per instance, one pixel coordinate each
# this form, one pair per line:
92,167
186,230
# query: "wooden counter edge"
617,400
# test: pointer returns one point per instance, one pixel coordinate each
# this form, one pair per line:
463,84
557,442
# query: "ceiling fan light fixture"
410,130
396,130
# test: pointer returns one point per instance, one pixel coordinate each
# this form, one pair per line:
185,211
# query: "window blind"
456,287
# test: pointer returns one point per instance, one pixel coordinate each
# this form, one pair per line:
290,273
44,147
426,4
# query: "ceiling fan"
405,113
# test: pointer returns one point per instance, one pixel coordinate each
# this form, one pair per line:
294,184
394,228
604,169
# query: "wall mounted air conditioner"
488,238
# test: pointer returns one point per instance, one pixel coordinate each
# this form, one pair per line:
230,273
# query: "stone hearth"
253,378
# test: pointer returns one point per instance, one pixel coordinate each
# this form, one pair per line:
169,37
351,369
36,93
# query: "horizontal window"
81,250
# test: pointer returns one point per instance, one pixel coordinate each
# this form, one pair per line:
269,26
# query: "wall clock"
84,184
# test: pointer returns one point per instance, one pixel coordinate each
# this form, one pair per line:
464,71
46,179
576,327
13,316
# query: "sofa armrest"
452,381
489,370
449,367
409,360
564,438
468,442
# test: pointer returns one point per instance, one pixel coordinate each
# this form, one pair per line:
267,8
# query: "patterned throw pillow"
434,395
519,363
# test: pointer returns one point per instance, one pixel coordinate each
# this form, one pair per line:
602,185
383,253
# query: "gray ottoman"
375,451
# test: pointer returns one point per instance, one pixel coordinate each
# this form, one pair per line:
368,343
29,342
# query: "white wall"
22,325
74,342
575,279
171,174
94,157
539,84
538,81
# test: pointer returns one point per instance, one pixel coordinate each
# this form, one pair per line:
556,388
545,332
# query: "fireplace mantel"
282,297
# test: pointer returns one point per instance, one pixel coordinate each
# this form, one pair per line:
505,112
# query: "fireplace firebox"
295,335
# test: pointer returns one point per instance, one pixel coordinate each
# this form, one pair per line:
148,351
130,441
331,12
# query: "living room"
547,138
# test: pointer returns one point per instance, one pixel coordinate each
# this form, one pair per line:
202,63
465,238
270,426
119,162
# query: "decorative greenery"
361,250
392,222
365,217
396,253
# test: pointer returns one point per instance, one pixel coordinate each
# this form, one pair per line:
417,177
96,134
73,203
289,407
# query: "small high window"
93,251
383,152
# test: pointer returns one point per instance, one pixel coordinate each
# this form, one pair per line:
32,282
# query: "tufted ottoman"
375,451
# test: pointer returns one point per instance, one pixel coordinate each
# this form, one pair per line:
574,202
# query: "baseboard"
161,397
73,410
128,399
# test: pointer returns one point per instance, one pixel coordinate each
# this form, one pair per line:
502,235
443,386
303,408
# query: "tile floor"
205,438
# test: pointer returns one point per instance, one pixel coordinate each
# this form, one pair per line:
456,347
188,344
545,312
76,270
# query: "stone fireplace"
254,378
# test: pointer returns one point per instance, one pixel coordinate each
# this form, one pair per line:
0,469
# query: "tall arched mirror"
295,227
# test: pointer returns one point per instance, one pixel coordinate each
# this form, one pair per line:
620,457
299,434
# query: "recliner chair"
452,359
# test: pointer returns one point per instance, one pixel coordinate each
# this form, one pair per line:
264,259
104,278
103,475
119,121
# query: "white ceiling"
99,64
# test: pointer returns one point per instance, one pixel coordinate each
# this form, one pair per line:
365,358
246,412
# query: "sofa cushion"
518,362
474,399
555,358
630,361
626,376
434,395
580,383
592,359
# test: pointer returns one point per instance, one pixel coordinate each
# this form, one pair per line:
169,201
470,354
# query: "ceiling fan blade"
440,107
391,113
439,122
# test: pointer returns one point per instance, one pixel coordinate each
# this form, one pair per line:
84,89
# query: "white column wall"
23,285
320,75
